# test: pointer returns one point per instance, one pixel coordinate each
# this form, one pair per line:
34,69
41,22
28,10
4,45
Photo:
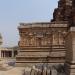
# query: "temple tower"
65,11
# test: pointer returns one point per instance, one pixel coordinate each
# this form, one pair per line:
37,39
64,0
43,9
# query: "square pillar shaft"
70,54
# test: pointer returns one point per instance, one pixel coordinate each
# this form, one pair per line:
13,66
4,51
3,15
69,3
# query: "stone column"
3,54
12,53
70,55
0,53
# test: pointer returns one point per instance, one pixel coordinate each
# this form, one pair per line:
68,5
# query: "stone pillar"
70,54
0,53
12,53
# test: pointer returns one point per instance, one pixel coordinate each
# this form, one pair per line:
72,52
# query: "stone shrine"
50,43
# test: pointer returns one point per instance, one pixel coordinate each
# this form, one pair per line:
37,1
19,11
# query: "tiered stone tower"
65,11
50,43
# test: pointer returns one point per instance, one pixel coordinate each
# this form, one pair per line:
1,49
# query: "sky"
12,12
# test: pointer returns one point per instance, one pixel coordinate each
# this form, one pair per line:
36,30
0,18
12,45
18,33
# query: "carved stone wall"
42,36
41,43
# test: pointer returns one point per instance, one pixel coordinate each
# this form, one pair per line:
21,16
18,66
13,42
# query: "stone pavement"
6,69
13,71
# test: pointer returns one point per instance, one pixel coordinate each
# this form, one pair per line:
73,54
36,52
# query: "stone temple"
50,44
